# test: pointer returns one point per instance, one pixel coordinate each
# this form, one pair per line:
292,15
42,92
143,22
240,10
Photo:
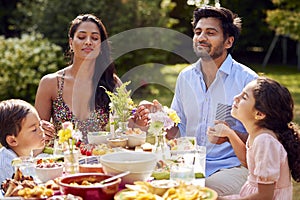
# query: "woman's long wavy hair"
275,101
105,68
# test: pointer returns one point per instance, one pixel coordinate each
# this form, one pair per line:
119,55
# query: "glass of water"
27,166
182,171
200,160
58,148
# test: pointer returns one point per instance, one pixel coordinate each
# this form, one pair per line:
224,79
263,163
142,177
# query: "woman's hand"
151,106
140,116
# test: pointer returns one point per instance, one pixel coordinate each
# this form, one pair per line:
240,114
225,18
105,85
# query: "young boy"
20,133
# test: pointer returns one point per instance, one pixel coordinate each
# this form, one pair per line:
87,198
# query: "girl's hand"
219,133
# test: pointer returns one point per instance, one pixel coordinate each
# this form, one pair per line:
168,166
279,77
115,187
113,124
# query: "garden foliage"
23,62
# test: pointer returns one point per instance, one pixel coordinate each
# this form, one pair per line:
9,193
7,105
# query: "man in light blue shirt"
204,93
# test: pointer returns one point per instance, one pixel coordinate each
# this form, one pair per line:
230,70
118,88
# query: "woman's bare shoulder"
48,83
51,78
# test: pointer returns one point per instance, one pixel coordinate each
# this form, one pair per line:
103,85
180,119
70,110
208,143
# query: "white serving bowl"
117,142
136,139
140,165
98,137
49,173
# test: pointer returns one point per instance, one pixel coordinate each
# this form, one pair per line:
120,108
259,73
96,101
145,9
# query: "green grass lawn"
286,75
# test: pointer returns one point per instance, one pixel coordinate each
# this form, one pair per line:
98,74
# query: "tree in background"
52,18
6,8
285,21
285,18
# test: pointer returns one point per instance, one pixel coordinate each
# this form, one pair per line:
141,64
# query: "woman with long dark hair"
77,92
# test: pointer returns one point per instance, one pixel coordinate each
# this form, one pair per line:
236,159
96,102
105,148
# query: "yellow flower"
68,135
173,116
64,135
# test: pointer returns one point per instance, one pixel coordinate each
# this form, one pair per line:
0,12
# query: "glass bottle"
161,148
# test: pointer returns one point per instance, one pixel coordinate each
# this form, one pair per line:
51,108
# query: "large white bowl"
99,137
140,165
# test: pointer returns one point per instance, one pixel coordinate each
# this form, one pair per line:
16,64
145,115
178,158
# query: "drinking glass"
27,166
58,148
182,171
200,159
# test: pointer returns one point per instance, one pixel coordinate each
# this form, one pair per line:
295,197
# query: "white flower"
77,135
162,120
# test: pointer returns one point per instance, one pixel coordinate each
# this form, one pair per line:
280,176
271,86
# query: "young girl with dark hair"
265,107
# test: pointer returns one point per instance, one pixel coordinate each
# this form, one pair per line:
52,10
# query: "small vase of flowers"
160,121
69,136
121,107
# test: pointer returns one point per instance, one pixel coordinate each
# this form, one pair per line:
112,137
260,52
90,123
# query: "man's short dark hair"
231,23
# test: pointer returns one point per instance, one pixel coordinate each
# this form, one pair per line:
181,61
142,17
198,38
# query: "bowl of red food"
49,171
89,186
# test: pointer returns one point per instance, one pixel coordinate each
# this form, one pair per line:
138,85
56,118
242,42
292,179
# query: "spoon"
115,177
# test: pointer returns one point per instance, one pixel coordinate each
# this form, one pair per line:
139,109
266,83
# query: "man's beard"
209,54
201,53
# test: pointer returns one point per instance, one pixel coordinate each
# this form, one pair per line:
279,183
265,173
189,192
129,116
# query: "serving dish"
99,137
136,140
65,197
73,184
182,190
140,165
48,171
117,142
